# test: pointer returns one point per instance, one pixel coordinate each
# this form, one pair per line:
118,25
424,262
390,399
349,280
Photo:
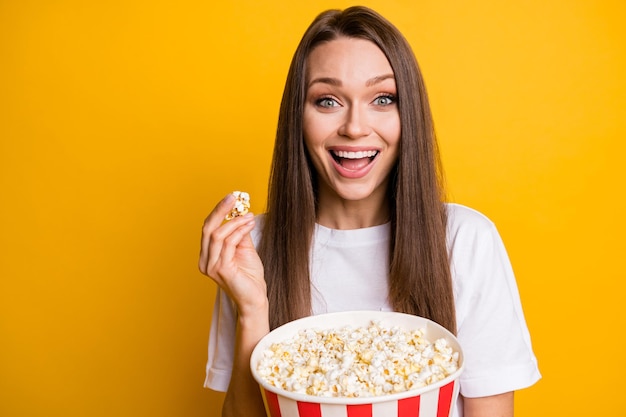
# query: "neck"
337,213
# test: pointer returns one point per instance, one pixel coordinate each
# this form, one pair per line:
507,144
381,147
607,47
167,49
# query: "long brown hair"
419,271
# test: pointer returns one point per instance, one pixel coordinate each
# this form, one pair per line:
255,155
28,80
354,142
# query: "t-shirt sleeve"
221,343
491,327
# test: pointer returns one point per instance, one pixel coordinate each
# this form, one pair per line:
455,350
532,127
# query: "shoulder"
471,236
463,219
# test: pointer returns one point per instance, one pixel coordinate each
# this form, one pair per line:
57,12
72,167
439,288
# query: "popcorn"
242,205
357,362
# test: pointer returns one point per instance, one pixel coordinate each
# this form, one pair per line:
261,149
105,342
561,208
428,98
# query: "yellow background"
123,122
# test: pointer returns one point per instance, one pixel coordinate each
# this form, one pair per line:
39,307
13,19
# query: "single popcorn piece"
242,205
357,362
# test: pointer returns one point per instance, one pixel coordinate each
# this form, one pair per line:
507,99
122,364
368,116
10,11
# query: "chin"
360,193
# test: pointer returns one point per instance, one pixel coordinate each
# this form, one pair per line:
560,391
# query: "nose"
355,124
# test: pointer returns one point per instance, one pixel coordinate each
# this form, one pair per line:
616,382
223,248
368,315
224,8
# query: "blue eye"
326,102
385,100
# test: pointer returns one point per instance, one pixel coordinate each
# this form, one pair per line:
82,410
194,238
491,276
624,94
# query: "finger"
218,233
212,222
219,212
212,251
235,239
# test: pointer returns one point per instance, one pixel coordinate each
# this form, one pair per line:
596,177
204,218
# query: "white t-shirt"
349,271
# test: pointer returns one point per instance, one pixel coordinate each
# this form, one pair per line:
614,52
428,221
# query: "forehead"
347,58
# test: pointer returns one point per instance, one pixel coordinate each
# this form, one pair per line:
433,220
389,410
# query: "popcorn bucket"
434,400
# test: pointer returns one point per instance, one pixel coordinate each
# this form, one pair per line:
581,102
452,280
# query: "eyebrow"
337,82
379,79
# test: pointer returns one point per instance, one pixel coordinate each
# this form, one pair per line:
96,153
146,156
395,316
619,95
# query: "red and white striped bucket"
434,403
436,400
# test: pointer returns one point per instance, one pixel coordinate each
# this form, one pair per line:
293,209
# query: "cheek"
313,131
387,124
395,130
393,133
395,127
307,126
311,140
391,130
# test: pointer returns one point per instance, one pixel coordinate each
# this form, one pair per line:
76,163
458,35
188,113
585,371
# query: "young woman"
356,220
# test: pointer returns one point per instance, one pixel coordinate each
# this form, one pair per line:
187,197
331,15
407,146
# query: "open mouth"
354,160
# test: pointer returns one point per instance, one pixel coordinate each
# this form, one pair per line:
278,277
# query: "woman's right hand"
228,256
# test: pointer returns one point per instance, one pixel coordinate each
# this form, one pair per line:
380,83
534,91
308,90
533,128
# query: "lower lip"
348,173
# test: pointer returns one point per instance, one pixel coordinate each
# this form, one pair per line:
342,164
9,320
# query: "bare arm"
229,258
500,405
244,396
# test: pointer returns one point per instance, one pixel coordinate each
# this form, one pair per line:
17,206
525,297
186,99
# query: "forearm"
243,398
500,405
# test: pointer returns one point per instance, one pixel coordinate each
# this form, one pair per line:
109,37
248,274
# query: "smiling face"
351,121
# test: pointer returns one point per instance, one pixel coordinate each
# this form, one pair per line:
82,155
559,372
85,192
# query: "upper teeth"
355,155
